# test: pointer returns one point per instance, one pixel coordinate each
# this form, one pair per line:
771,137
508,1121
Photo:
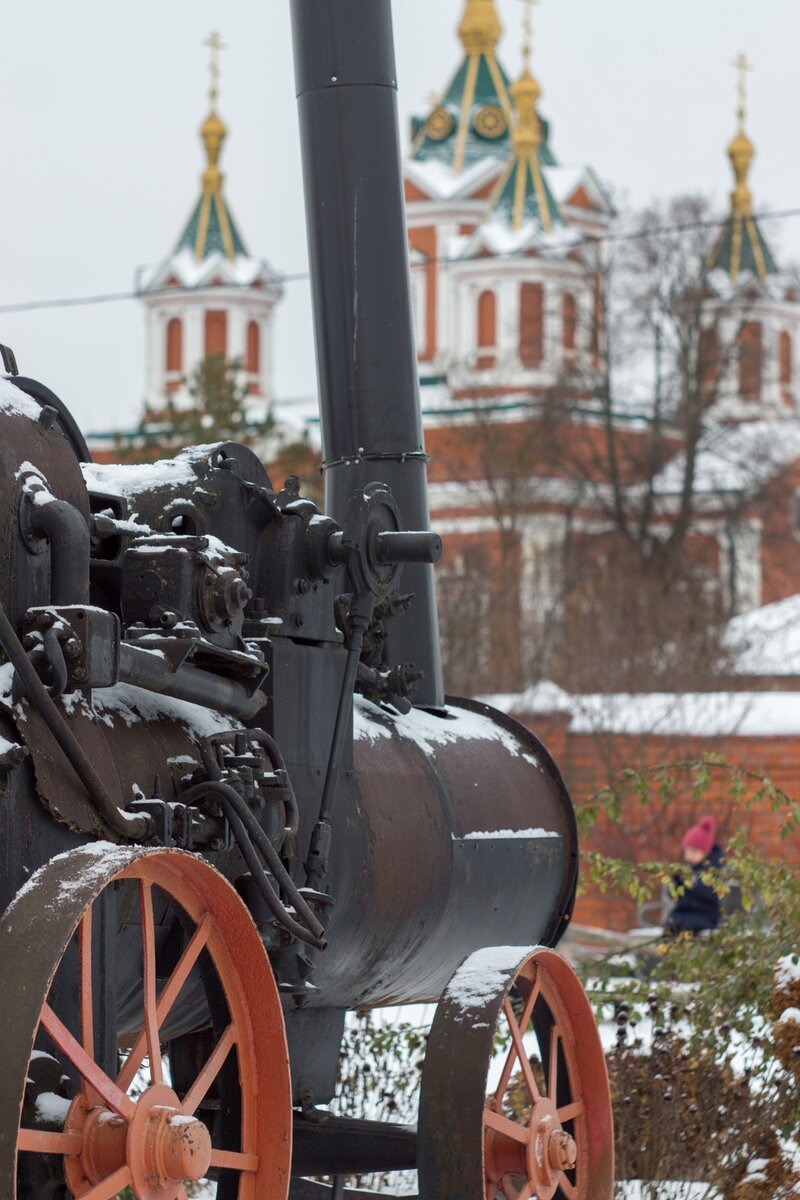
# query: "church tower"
505,293
209,295
753,314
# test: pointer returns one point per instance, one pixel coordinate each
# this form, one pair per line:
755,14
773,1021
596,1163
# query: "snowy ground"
632,1189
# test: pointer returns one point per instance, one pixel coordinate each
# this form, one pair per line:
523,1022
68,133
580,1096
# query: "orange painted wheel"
128,1128
534,1124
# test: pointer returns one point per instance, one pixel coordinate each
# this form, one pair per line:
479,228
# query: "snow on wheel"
100,1132
534,1123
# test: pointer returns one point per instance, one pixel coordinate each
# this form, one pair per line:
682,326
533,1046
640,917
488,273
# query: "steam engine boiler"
235,802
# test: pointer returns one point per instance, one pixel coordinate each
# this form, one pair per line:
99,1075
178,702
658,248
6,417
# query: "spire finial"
480,27
741,149
526,91
527,31
741,245
215,45
742,67
213,130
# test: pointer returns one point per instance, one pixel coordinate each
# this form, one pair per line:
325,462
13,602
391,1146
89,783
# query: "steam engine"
203,670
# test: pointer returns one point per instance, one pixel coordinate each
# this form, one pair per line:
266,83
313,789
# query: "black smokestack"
366,357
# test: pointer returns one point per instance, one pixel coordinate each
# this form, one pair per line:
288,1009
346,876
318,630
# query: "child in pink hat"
697,907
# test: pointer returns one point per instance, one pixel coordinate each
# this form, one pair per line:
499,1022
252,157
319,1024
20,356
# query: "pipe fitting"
45,518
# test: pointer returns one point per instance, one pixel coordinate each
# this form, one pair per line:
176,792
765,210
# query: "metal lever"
409,547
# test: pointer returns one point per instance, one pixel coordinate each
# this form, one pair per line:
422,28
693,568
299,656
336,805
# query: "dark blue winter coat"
698,907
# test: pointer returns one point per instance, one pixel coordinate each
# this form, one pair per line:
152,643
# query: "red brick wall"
653,832
780,553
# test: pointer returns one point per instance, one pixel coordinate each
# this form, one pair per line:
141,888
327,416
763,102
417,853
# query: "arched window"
216,332
785,366
708,363
253,348
750,356
531,324
487,328
569,311
174,344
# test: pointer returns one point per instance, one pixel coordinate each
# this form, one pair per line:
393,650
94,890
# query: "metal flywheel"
90,1105
515,1100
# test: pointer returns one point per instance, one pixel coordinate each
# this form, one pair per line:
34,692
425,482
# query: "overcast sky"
101,103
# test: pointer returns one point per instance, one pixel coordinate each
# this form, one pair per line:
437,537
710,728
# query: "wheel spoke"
149,962
108,1188
500,1090
504,1124
209,1072
525,1066
169,995
106,1089
43,1141
235,1160
527,1011
552,1076
505,1075
568,1112
569,1189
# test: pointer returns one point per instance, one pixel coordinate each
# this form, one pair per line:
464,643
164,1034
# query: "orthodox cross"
215,45
742,66
527,29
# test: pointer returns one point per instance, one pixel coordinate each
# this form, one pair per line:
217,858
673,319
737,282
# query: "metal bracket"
9,360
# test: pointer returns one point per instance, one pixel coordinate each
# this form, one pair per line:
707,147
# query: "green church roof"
523,194
474,118
211,229
741,245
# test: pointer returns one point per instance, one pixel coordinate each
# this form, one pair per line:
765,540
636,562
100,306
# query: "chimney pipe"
366,356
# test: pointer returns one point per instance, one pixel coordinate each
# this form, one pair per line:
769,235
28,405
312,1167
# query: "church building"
208,296
509,257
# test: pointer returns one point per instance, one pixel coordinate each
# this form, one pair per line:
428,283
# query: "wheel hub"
551,1150
162,1148
562,1151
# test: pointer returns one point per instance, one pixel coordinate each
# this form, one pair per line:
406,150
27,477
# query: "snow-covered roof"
182,269
439,181
498,235
210,249
736,458
664,714
495,232
565,182
766,640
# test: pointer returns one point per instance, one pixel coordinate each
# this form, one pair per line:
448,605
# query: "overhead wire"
611,236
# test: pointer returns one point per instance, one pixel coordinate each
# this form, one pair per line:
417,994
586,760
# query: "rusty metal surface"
415,892
29,450
121,750
329,1145
557,1144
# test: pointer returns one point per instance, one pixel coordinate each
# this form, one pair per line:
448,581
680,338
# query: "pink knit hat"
701,836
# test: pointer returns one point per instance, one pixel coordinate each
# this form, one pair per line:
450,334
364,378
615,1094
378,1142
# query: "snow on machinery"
213,849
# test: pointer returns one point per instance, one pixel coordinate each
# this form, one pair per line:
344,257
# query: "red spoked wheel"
125,1127
534,1121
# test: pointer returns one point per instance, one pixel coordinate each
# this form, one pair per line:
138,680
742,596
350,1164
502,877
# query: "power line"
113,297
303,276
